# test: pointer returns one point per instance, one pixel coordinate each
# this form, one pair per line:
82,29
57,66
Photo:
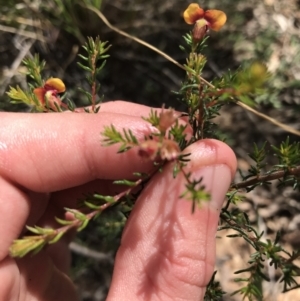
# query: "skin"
48,160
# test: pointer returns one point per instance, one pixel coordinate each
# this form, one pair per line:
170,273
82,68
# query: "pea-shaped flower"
47,95
203,20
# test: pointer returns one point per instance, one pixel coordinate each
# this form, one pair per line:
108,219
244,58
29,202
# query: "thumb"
167,252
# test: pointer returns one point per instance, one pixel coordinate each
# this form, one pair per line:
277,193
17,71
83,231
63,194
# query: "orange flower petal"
40,94
55,84
193,13
215,18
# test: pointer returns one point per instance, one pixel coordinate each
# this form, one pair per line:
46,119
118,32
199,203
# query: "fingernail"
216,180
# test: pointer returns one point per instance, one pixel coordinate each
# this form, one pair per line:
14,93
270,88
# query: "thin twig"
23,21
15,65
270,119
87,252
268,177
22,32
125,34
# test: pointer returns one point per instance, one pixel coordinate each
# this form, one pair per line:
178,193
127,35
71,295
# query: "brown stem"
295,171
94,82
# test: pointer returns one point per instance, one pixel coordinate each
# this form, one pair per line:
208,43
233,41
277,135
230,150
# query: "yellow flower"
213,19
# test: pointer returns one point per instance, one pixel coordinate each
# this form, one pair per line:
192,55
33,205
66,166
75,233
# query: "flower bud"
199,32
166,119
169,150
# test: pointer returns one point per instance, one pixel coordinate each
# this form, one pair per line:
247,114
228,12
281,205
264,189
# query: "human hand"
48,160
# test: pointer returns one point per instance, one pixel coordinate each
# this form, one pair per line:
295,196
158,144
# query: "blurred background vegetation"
263,30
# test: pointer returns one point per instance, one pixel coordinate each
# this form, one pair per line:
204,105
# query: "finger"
9,287
49,152
34,278
128,108
167,252
41,280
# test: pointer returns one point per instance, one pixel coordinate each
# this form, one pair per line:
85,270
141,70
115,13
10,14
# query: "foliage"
96,51
203,101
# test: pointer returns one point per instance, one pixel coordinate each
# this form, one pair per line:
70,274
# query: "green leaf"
63,222
106,198
86,68
83,225
125,182
91,205
56,238
18,95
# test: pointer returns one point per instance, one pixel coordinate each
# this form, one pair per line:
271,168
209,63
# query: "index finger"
49,152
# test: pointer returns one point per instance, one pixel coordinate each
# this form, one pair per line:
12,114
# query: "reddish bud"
166,119
199,31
